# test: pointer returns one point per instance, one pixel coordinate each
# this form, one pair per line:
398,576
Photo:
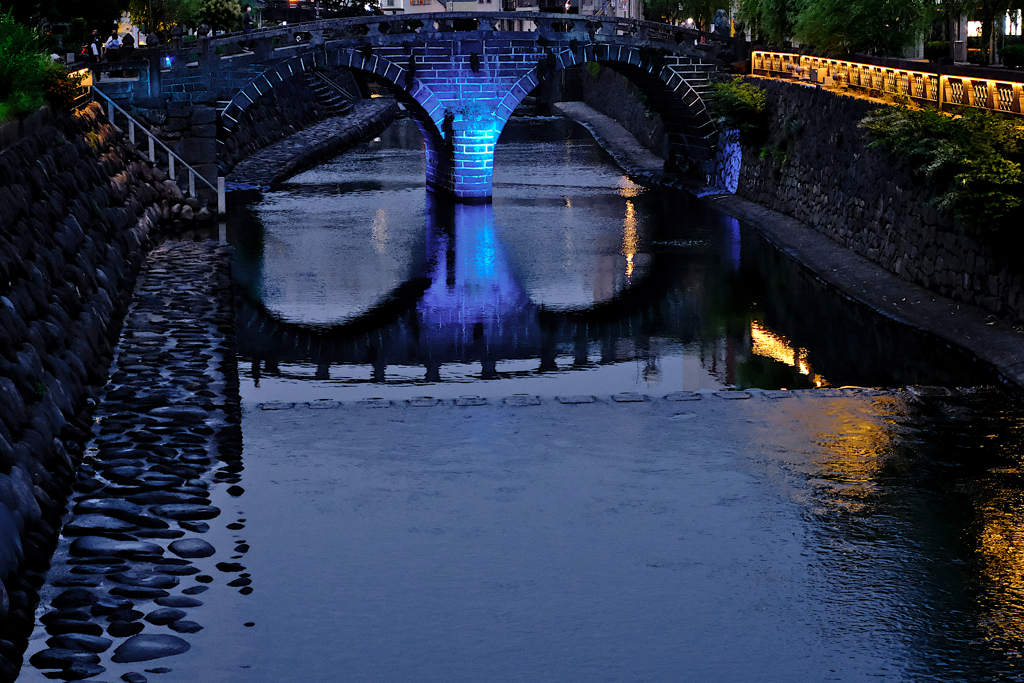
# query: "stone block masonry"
824,174
77,207
281,160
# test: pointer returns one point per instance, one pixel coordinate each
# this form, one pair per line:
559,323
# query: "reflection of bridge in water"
466,306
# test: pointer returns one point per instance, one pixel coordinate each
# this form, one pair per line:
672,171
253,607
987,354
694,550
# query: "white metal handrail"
172,158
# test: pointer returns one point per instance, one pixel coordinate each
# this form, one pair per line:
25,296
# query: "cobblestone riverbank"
132,562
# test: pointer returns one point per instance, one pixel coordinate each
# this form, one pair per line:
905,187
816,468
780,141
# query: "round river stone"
186,511
97,546
192,547
144,647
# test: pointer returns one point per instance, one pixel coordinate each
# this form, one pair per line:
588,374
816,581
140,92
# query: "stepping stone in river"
178,601
80,641
186,511
97,546
165,615
185,626
144,647
58,658
85,525
192,548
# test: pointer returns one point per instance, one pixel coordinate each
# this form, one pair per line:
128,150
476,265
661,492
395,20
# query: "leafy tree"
973,160
21,69
160,15
883,27
27,78
220,15
770,21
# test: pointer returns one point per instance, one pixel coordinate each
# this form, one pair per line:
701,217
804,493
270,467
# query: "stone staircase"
572,84
335,98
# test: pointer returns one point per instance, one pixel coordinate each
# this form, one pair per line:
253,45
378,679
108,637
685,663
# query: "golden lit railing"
927,84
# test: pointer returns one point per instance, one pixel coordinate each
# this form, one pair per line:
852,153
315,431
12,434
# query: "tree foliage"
27,77
770,21
220,15
157,16
21,69
737,105
973,160
882,27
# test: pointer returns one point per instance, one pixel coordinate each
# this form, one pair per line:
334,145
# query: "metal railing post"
192,184
152,148
221,203
170,166
131,131
110,114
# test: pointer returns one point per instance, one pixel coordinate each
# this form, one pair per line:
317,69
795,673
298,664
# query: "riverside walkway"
995,342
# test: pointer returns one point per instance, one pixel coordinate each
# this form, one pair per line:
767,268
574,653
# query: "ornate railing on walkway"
173,160
948,88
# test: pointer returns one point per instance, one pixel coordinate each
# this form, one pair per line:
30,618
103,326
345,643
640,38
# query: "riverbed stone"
165,615
58,658
186,511
178,601
146,647
145,578
97,546
80,641
74,597
91,524
192,548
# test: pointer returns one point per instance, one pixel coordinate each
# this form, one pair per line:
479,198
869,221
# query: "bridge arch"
462,87
688,122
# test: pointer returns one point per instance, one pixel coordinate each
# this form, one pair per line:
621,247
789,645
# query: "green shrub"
21,69
1013,56
936,49
740,106
27,77
593,68
972,160
60,87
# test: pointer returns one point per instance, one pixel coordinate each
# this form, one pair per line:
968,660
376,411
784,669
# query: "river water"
547,531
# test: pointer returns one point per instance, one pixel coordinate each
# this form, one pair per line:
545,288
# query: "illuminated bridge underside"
462,87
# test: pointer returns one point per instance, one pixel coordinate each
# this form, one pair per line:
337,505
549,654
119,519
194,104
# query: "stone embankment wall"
289,107
612,94
76,207
823,173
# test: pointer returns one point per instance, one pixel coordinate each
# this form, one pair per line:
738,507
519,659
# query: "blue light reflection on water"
575,279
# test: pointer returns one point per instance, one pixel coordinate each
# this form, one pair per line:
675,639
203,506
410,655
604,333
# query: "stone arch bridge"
460,75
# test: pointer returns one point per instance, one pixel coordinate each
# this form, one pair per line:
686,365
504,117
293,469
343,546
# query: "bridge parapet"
948,88
460,74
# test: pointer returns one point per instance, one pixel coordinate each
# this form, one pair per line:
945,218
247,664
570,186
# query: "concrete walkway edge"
991,340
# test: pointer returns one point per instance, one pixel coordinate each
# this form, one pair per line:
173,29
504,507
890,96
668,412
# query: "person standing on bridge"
247,28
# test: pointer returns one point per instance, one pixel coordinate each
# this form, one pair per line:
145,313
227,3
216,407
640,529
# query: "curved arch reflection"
468,307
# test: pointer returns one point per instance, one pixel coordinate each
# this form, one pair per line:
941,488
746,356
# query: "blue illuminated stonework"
461,87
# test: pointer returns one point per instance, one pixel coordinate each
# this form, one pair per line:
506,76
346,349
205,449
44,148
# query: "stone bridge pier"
460,76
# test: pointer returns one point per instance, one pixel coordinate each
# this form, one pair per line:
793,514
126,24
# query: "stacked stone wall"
76,207
289,107
612,94
824,173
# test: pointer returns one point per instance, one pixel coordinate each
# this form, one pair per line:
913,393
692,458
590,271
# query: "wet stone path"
132,564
